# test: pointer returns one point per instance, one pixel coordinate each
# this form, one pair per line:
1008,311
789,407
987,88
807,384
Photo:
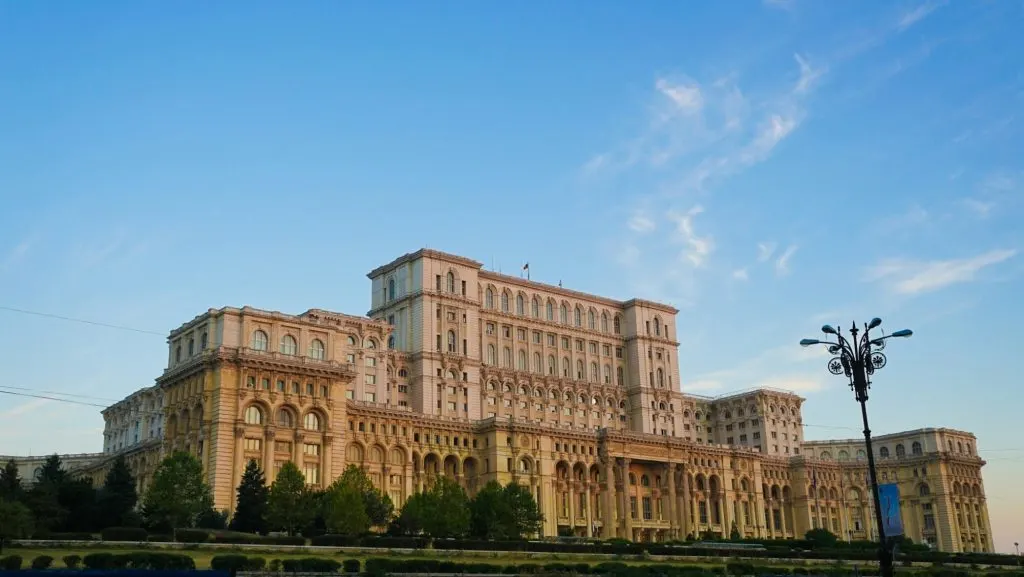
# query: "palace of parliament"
480,376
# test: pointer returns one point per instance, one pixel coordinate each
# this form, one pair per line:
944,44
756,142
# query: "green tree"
501,513
118,496
10,482
44,496
345,511
378,506
289,503
178,494
15,521
821,538
734,535
441,512
251,508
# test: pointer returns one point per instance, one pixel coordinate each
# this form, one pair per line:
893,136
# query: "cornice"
486,275
425,253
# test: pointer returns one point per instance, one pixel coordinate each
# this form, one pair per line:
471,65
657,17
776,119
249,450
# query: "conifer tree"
118,496
251,506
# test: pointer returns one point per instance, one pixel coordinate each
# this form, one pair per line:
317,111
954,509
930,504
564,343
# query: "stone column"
239,462
297,450
626,499
268,455
608,530
572,506
589,511
686,510
670,475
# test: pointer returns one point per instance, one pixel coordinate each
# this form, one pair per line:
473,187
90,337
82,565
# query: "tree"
734,535
178,494
377,506
502,513
289,501
251,505
15,521
440,512
345,512
10,482
118,496
821,538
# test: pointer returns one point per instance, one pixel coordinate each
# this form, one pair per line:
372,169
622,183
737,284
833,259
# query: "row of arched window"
284,417
593,321
596,373
916,450
569,396
289,346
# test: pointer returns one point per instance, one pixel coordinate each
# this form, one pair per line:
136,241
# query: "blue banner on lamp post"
892,519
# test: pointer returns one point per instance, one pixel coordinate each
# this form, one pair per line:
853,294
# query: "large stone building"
480,376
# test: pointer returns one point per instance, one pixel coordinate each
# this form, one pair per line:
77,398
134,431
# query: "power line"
83,321
63,394
52,399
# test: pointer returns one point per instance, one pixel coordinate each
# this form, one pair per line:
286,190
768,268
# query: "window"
253,415
577,317
351,341
371,344
504,302
535,308
506,357
453,346
288,345
520,305
390,296
285,418
521,364
316,349
591,322
491,356
312,473
489,298
884,452
915,449
451,281
311,422
259,340
604,323
616,325
311,449
563,314
549,311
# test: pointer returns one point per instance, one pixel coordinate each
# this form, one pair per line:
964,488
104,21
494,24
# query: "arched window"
604,323
884,452
489,298
591,320
351,341
551,364
253,415
594,374
504,302
285,418
550,311
521,361
619,376
520,305
577,317
453,346
316,349
192,348
645,481
661,378
391,290
535,308
538,367
371,344
259,341
607,374
311,422
616,325
492,357
565,367
507,358
288,345
657,326
563,314
391,341
900,451
924,490
451,281
915,449
580,375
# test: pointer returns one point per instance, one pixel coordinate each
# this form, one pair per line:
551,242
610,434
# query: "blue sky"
764,166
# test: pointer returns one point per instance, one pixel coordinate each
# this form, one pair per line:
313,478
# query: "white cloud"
765,250
782,263
641,223
918,14
698,248
686,97
790,368
741,274
24,408
979,207
808,75
914,277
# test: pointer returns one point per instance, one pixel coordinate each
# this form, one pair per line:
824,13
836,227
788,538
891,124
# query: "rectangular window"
490,328
551,340
370,397
283,447
311,450
370,379
253,444
312,473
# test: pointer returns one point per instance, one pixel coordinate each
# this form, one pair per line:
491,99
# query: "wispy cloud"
782,263
24,408
641,223
17,253
808,75
918,14
912,277
765,250
741,274
979,207
787,367
697,248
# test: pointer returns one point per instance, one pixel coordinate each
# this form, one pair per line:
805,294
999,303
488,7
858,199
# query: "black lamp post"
858,359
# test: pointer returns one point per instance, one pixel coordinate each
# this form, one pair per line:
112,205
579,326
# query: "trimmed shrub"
310,565
160,538
72,561
191,536
42,562
122,534
10,563
350,565
66,536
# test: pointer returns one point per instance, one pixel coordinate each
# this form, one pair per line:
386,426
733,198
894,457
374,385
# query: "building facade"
480,376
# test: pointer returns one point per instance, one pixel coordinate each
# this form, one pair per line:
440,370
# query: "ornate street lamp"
858,359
